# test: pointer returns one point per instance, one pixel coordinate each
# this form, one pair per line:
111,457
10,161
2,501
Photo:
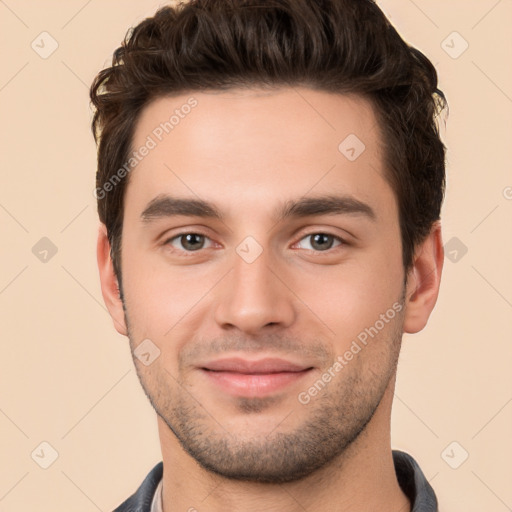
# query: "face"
276,310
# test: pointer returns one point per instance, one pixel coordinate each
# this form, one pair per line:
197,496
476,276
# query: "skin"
248,151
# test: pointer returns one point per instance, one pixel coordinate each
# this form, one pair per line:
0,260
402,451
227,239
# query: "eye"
321,242
189,242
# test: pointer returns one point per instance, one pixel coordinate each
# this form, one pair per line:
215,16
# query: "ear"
109,283
423,281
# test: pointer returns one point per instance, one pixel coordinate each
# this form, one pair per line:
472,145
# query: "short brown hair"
338,46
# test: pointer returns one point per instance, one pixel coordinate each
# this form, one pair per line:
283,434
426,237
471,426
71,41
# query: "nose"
255,296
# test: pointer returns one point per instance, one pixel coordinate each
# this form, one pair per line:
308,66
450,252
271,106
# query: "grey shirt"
148,498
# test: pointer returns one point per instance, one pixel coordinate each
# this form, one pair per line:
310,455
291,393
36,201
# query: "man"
270,178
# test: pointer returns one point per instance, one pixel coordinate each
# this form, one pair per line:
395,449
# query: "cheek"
351,297
160,297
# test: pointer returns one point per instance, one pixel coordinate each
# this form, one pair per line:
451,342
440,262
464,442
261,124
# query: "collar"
409,475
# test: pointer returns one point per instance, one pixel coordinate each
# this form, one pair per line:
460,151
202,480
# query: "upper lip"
267,365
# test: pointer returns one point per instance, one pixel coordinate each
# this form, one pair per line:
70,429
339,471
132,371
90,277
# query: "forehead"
254,146
298,114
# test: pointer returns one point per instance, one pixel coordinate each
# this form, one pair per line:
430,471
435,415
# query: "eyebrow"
164,206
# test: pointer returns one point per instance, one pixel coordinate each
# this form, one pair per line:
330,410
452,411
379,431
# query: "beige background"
66,376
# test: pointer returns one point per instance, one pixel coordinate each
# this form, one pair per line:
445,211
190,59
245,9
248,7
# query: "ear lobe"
109,283
423,281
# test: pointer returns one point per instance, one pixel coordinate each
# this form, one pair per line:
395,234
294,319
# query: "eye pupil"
319,239
189,241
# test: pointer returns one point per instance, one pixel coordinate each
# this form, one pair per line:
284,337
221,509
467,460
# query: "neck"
363,478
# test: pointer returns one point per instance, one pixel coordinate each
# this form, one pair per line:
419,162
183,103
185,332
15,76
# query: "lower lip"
252,385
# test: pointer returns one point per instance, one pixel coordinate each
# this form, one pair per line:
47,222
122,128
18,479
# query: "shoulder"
413,483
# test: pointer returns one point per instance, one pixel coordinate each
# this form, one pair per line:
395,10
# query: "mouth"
241,377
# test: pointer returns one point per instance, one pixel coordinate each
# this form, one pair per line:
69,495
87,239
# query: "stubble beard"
332,422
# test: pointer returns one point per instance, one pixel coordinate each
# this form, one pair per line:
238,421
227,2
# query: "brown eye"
321,242
188,242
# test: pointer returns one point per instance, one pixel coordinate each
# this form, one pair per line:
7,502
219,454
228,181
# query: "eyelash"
192,253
